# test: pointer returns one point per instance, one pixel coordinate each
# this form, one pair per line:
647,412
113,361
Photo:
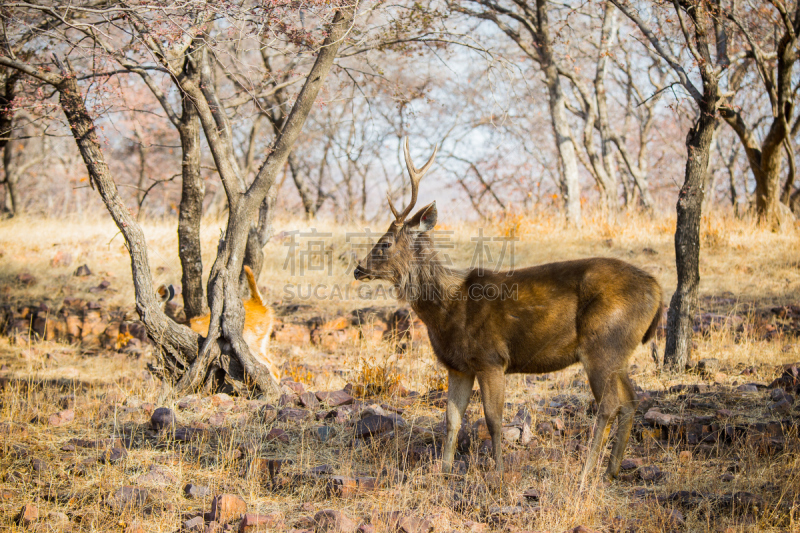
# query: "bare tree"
696,21
182,359
531,31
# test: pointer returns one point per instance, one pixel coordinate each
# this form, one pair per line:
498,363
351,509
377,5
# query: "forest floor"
86,446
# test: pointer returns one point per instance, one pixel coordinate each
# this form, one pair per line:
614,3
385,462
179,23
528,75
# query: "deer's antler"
416,175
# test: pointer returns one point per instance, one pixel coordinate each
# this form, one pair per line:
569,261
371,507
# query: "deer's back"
539,319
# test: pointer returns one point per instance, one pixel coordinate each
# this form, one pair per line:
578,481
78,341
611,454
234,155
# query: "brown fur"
258,322
593,311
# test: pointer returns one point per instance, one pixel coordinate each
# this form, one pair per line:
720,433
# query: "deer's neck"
430,288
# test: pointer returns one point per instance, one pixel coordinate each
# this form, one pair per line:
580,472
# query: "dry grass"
112,396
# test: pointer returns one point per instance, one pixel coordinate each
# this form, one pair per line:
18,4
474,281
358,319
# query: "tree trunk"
566,149
176,345
7,96
683,305
191,208
227,311
309,204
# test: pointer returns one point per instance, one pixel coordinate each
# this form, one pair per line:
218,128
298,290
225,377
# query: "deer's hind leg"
607,390
627,409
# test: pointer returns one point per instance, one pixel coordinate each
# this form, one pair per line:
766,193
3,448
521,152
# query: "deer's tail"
651,331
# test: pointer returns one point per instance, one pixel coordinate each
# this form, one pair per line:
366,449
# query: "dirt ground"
86,446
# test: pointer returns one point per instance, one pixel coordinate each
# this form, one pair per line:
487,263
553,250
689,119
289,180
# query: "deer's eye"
382,247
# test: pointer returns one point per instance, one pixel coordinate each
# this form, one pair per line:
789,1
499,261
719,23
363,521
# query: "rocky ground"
353,447
89,441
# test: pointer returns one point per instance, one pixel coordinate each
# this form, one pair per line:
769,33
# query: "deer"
590,311
259,319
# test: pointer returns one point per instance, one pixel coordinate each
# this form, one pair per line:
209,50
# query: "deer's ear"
425,219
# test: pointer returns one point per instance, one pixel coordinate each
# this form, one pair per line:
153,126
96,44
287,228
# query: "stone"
309,400
782,407
657,418
296,387
409,523
82,271
511,434
217,420
334,522
226,507
26,278
685,456
531,494
277,434
61,259
372,426
290,414
631,463
335,398
128,497
194,524
289,400
28,515
322,433
582,529
189,434
252,522
708,366
157,476
61,418
747,387
113,455
162,418
194,491
650,473
57,517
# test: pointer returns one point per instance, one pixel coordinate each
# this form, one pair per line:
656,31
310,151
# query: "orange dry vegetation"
748,482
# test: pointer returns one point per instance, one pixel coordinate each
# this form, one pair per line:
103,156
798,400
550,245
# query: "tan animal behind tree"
483,325
259,319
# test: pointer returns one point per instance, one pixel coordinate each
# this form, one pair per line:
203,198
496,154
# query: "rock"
531,494
650,473
409,523
335,398
511,434
128,498
113,456
322,433
278,434
481,430
162,418
290,414
582,529
334,521
157,476
60,259
372,426
26,279
685,456
309,400
196,492
294,386
657,418
28,515
747,387
194,524
189,434
57,517
252,522
526,435
61,418
82,271
776,395
782,407
227,507
321,470
708,367
289,400
631,463
674,519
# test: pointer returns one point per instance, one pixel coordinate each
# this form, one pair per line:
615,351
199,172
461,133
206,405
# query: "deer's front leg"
459,389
